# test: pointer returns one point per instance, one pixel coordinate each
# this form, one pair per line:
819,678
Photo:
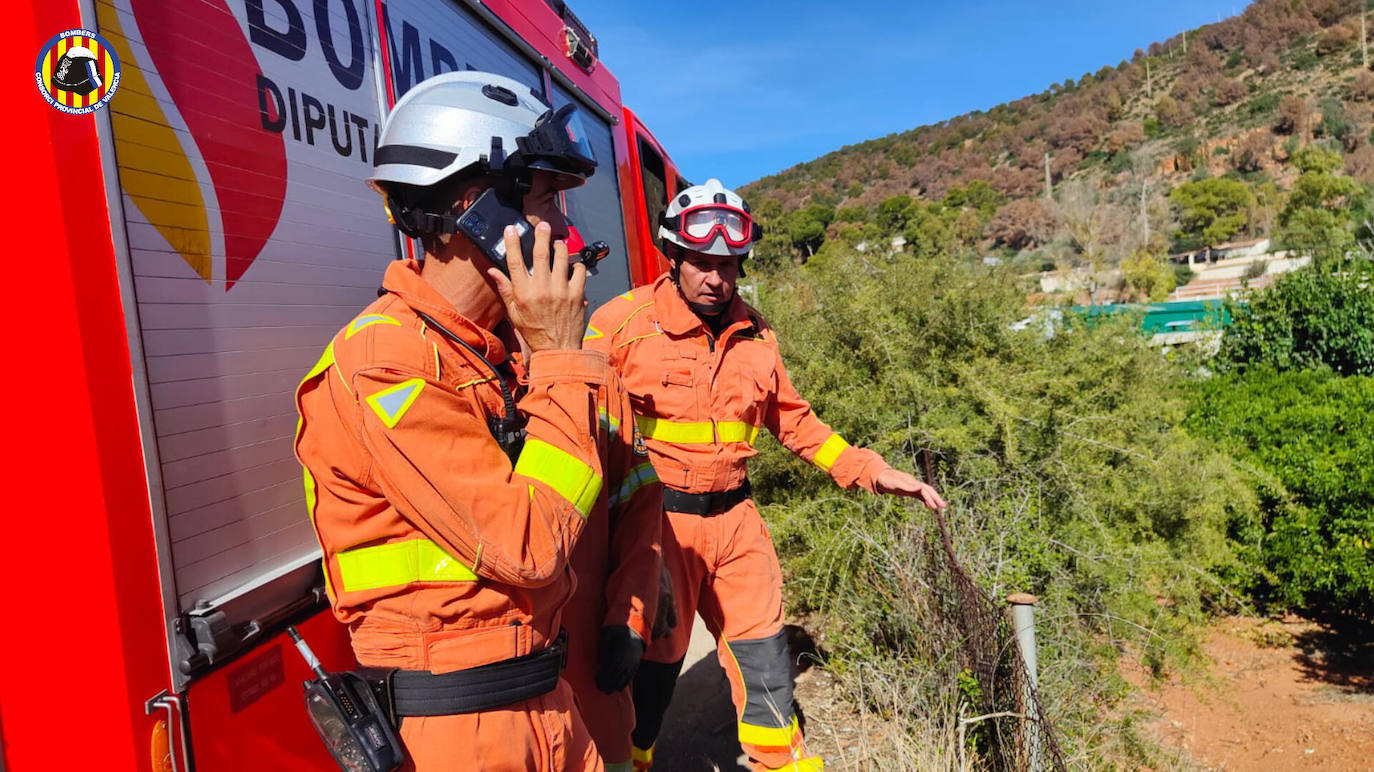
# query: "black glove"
617,655
666,618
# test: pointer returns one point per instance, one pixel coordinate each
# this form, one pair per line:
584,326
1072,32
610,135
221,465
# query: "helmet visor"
579,148
700,224
559,140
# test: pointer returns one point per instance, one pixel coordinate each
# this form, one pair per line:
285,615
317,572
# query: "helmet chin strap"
711,309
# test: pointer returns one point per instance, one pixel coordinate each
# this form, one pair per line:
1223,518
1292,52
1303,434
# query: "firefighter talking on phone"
450,481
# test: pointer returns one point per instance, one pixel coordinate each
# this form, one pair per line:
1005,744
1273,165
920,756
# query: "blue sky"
741,90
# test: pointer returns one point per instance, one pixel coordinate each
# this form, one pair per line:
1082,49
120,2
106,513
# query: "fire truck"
196,242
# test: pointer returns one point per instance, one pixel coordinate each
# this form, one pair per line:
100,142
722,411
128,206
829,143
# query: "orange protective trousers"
724,568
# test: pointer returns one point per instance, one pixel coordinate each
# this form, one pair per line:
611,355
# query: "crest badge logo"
77,72
639,447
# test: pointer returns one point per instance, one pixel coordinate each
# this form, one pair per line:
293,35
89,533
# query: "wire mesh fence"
1008,729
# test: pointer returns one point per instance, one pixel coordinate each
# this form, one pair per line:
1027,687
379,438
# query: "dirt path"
1278,695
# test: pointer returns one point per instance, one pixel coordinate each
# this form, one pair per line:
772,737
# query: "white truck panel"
240,274
225,345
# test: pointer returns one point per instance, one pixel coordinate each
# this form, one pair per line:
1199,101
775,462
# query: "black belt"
705,504
421,693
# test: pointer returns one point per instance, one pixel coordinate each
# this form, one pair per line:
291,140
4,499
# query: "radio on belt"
349,718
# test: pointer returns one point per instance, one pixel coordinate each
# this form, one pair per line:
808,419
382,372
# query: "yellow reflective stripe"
683,432
619,766
641,756
326,359
399,563
831,450
737,431
309,494
364,322
695,432
770,736
562,471
311,498
592,333
609,421
635,479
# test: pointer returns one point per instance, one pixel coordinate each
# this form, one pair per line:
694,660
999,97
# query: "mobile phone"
485,224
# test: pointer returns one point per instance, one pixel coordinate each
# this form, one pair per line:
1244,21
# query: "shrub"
1304,60
1333,40
1362,90
1147,275
1251,152
1306,437
1182,275
1313,318
1228,91
1067,447
1262,105
1292,114
1168,112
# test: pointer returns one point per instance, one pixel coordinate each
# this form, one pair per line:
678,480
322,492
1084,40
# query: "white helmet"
461,121
710,219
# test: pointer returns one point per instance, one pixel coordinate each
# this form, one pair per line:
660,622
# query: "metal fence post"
1023,622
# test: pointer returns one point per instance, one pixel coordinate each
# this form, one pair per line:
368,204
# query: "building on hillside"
1230,249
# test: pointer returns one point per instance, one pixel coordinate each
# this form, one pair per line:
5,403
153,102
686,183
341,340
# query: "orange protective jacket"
700,400
439,554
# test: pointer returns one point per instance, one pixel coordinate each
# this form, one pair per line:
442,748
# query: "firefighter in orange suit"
704,377
447,483
611,617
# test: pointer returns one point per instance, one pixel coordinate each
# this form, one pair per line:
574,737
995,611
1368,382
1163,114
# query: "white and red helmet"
710,219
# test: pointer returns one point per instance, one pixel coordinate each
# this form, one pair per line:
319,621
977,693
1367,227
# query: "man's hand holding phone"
545,304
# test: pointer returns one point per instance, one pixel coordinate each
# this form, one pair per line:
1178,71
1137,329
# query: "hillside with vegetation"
1256,126
1139,491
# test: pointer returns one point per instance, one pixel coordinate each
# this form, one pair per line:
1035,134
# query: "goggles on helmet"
701,224
558,142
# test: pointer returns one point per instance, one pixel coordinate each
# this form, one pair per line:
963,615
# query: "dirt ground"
1278,695
1285,694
